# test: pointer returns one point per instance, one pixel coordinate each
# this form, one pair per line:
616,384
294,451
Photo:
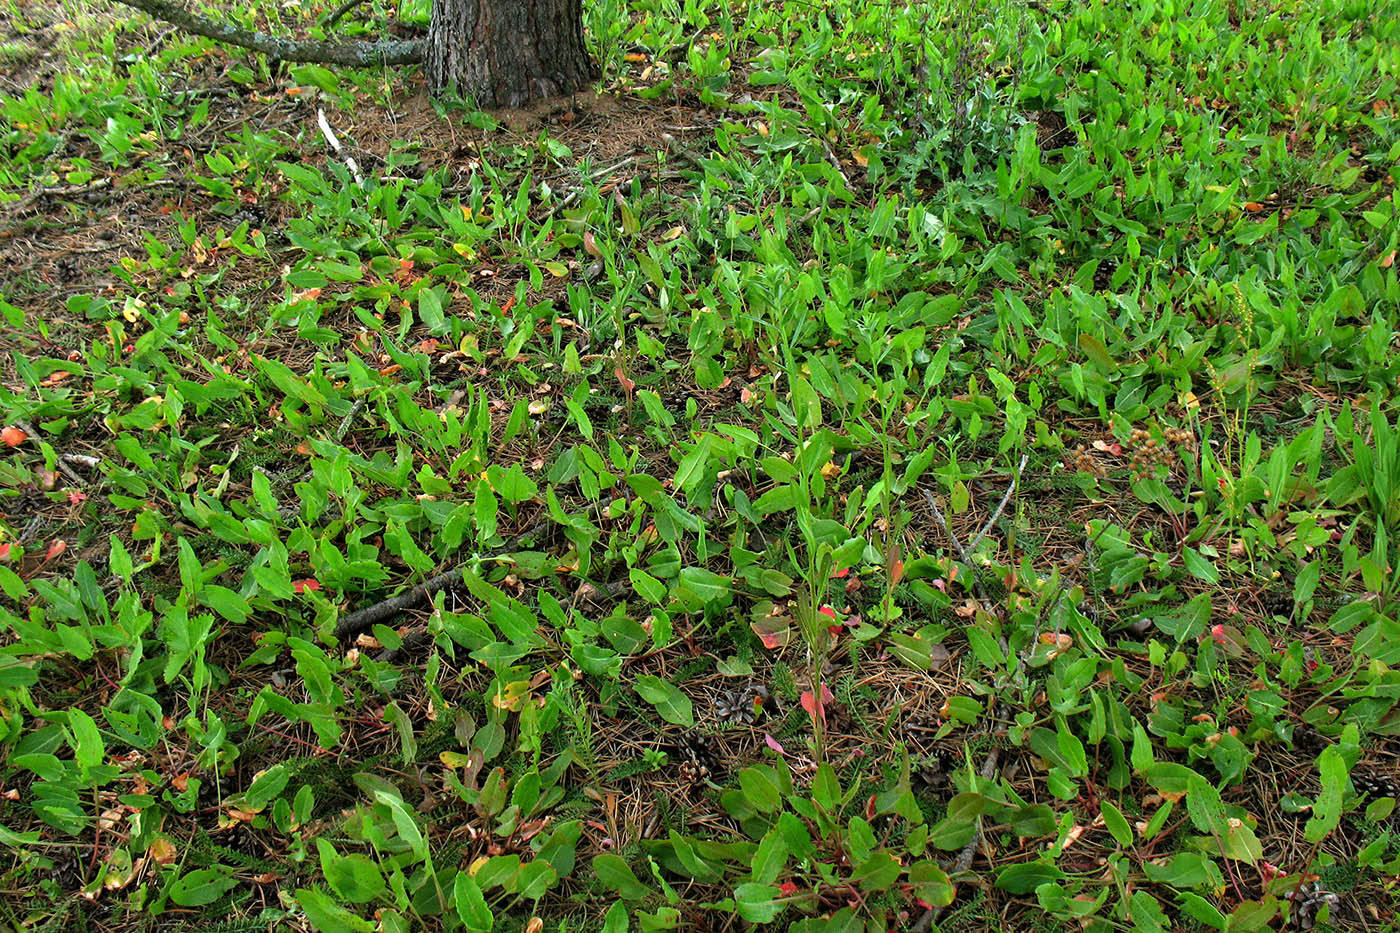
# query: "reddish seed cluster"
1085,462
1148,453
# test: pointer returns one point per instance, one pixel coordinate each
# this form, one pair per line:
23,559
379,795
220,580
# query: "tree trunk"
504,53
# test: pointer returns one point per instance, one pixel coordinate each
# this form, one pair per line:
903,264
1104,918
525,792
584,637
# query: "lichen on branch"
383,52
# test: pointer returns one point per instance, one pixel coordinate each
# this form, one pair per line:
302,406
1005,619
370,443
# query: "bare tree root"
384,52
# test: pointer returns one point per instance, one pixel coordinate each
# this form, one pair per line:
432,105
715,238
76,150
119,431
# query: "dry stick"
962,552
28,428
340,11
989,764
82,460
1001,507
676,146
60,191
362,619
327,132
594,175
382,52
964,860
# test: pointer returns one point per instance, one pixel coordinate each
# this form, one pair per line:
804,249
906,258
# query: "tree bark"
505,53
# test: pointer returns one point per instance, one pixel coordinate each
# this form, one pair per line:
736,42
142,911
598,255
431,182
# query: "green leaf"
265,787
770,858
226,603
952,833
647,586
1147,913
877,872
760,786
1032,821
471,904
1116,823
704,587
1095,350
430,311
201,887
1327,810
826,789
615,874
86,740
326,916
757,903
931,883
404,822
616,919
1025,877
673,705
1198,566
1201,910
354,877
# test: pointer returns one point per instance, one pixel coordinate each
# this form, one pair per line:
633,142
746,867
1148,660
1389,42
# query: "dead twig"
964,860
1001,507
340,11
364,618
349,160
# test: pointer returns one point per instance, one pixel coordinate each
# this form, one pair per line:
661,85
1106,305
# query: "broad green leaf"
326,916
673,705
760,786
616,875
757,903
1025,877
471,904
204,886
1116,824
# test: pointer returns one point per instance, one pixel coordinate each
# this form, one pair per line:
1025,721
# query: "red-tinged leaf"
627,384
813,708
842,573
897,572
834,629
5,551
773,632
827,611
774,744
827,696
12,436
301,586
76,497
56,548
590,245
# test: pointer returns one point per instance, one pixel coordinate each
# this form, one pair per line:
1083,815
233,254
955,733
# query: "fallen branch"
364,618
340,11
383,52
1001,507
964,860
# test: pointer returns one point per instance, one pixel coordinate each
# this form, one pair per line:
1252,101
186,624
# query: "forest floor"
861,467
